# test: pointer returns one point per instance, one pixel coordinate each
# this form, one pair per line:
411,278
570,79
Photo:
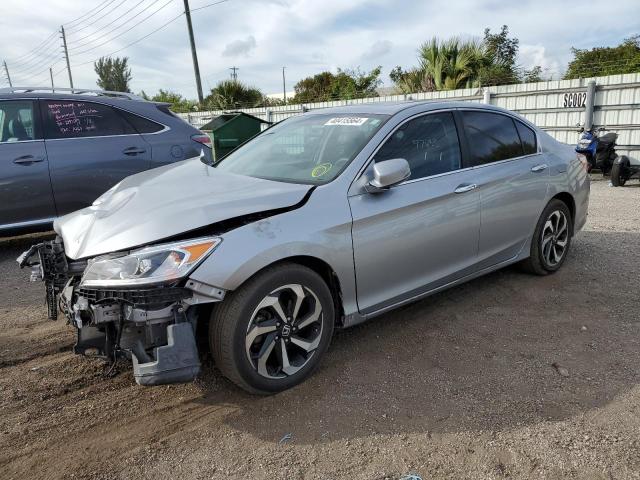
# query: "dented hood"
168,201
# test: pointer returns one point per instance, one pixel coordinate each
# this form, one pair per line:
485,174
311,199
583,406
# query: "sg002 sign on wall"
575,99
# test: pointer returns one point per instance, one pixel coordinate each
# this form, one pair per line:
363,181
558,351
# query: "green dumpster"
230,130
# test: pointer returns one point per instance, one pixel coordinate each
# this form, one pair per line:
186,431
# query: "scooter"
600,153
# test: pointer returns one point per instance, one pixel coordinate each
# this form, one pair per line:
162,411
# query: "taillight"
584,162
202,139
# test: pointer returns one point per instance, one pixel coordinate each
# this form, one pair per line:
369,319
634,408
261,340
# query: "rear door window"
17,121
74,119
491,137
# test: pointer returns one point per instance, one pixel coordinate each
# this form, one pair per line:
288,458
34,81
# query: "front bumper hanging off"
152,326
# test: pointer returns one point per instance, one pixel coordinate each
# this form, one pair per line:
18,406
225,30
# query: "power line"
134,42
24,77
126,31
209,5
90,11
78,27
93,21
25,59
110,23
130,19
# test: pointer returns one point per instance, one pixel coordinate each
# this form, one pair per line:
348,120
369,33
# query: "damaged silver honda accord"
320,222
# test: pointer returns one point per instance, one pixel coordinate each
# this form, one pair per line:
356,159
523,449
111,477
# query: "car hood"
167,201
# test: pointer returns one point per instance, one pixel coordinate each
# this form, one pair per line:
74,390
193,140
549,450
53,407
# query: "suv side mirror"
388,173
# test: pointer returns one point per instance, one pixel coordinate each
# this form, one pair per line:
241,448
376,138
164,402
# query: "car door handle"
465,187
539,168
133,151
28,160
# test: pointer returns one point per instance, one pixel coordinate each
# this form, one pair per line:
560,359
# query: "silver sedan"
323,221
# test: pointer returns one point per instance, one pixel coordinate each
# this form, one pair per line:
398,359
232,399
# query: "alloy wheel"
555,236
284,331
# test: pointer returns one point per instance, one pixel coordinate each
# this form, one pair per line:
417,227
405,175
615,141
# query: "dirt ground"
460,385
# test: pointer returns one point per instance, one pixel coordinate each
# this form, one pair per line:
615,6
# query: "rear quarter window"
141,124
527,137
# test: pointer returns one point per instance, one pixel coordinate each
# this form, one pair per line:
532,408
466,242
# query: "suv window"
429,143
73,119
528,138
16,121
492,137
142,125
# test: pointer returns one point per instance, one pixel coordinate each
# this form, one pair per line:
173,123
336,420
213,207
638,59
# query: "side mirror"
388,173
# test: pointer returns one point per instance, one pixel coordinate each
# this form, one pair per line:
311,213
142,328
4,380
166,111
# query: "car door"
25,188
512,179
422,233
91,147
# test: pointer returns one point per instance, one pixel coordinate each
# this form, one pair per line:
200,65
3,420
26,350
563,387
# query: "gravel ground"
508,376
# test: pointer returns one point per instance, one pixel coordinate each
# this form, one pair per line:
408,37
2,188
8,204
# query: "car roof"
391,108
416,107
114,100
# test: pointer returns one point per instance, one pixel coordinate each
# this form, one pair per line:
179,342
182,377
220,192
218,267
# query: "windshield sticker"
347,121
321,170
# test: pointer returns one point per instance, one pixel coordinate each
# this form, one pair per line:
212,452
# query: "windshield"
310,149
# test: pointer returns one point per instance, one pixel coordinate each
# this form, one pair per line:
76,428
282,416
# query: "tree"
452,63
177,101
412,80
500,53
113,73
231,94
343,85
313,89
532,75
456,63
600,61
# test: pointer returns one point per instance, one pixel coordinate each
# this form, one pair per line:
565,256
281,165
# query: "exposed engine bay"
153,326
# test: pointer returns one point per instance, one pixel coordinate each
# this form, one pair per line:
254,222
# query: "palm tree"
453,63
232,94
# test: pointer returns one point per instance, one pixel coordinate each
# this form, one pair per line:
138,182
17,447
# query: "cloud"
239,48
532,55
306,36
378,49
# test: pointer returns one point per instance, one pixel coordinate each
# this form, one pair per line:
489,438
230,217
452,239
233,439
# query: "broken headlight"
150,265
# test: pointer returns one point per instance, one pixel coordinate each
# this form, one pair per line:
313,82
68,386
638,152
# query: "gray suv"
59,151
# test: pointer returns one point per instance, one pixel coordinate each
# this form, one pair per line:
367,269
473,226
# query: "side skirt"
357,318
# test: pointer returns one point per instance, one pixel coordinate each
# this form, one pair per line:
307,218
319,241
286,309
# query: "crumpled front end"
152,324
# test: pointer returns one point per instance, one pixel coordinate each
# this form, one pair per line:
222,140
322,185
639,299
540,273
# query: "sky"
306,36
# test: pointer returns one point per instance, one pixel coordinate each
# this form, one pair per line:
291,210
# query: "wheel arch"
568,200
322,268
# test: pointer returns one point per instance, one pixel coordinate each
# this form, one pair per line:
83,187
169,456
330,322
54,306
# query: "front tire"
620,171
551,239
271,333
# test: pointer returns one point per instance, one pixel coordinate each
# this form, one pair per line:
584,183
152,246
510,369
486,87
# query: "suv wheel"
271,333
551,239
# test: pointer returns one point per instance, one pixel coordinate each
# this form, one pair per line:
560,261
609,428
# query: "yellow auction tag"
321,170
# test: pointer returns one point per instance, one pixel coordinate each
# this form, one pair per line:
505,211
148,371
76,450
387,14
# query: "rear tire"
620,171
551,239
271,333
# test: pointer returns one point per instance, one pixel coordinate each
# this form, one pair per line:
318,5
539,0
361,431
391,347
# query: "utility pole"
66,55
51,75
6,71
194,56
284,87
234,73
